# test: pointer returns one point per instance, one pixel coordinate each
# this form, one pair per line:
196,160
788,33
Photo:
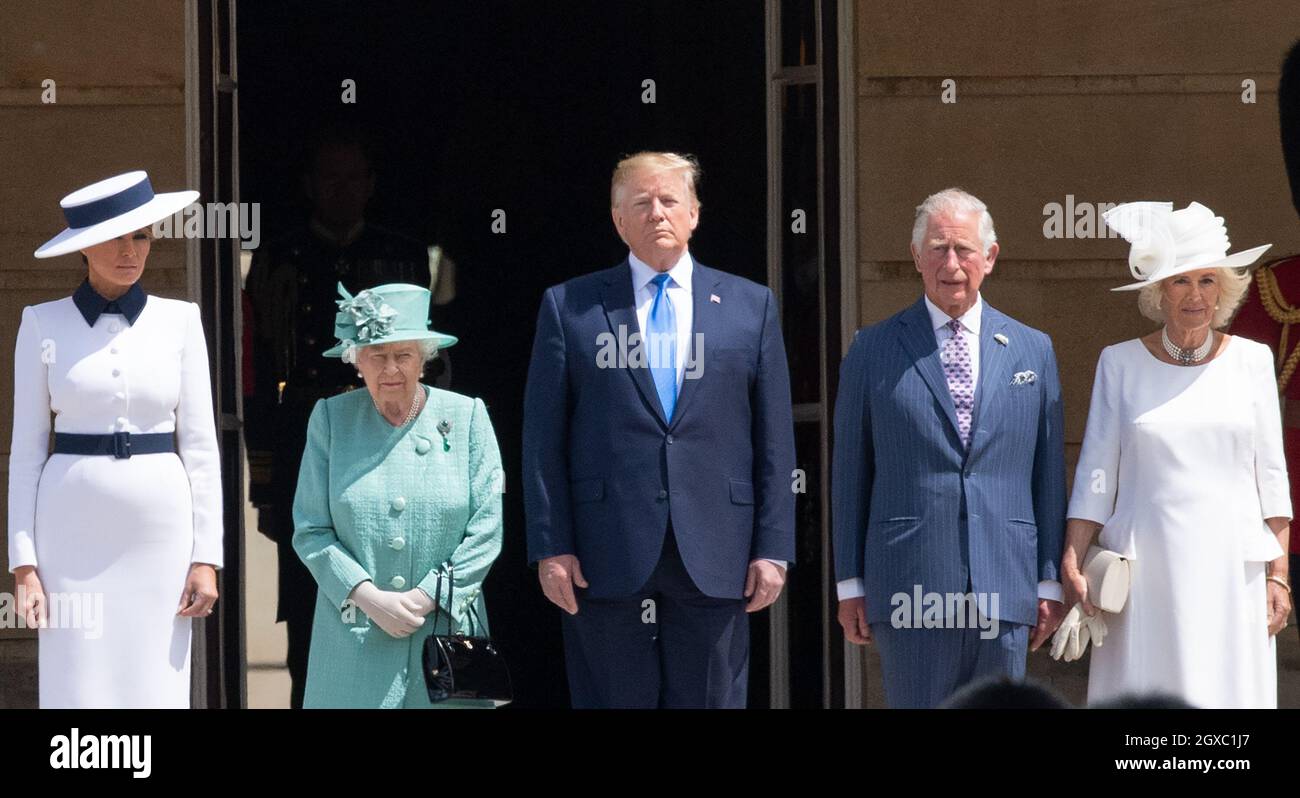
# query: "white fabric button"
121,422
422,446
398,544
114,326
117,372
399,504
398,582
113,350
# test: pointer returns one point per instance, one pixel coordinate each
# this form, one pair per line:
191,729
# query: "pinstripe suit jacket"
900,471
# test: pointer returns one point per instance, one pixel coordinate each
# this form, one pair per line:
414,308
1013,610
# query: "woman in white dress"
114,539
1182,472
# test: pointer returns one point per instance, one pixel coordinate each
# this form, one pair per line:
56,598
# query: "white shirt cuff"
1050,589
850,588
782,563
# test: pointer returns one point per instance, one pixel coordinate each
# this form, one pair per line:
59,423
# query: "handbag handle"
472,616
437,613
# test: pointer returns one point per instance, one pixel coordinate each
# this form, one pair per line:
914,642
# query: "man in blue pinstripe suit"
948,489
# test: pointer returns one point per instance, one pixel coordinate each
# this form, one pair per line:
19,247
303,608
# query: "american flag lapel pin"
715,298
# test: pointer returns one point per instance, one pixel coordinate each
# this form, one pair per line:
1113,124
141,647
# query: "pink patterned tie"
956,367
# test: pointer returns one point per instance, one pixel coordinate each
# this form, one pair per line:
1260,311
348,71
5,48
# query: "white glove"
392,611
1066,640
1096,627
418,602
1076,631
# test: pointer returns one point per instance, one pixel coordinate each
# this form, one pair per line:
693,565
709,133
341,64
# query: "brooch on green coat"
444,428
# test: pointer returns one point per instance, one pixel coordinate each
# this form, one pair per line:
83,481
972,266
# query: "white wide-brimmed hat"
1166,242
112,207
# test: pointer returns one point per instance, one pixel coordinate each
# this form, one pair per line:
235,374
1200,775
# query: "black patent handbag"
463,666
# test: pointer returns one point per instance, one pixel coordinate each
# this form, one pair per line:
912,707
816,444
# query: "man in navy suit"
948,488
658,458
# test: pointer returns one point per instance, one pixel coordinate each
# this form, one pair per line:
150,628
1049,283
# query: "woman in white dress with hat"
1182,472
115,531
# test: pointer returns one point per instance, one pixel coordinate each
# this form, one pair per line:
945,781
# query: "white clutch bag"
1108,578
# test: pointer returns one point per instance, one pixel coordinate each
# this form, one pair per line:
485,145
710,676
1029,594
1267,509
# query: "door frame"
212,273
218,657
833,73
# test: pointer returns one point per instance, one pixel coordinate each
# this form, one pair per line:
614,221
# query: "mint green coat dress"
394,505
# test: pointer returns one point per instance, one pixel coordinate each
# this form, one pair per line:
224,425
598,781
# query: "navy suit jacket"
604,471
900,471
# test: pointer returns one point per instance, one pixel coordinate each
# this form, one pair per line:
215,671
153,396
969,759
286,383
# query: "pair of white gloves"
398,614
1076,631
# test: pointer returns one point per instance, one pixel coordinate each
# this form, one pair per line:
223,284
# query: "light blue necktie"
661,344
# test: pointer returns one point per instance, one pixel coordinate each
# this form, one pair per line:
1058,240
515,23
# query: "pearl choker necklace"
410,414
1187,357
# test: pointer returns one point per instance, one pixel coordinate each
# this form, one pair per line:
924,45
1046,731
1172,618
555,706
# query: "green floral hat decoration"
383,315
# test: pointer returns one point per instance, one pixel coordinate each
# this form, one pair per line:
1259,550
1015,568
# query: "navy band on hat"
101,210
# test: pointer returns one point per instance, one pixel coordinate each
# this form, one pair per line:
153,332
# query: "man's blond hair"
669,162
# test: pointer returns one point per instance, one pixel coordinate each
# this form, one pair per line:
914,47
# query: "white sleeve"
196,436
30,445
1270,462
850,588
1097,475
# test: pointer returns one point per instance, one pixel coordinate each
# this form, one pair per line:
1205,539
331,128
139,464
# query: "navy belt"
119,444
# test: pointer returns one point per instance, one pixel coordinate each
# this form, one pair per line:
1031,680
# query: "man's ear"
991,257
617,217
916,259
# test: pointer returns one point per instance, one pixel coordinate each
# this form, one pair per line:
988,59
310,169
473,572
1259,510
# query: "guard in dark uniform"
1271,312
292,287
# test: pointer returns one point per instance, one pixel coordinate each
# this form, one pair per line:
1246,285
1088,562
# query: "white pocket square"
1024,378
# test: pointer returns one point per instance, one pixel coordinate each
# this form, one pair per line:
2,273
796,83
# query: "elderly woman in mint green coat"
399,483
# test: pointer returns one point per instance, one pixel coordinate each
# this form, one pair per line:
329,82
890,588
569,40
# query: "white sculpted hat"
1166,242
112,207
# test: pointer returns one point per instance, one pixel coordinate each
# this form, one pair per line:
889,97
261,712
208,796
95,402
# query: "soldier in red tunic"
1271,312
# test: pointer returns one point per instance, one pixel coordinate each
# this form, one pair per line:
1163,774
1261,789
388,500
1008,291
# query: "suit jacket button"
398,582
663,494
670,439
399,504
398,544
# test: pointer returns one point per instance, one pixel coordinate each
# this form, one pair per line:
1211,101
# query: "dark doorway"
524,108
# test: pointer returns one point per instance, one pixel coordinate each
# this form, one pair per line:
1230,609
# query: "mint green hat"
384,314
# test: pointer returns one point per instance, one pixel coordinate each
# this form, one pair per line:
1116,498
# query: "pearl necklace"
1186,357
410,414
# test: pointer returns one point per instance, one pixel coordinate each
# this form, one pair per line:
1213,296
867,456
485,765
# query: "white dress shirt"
970,330
679,292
